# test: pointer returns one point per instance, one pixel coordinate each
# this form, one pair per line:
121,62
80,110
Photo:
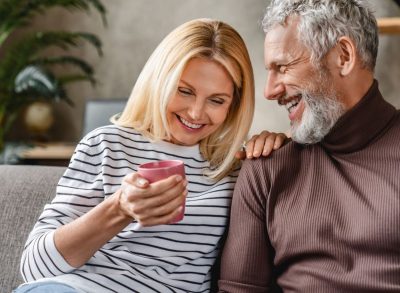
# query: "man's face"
307,92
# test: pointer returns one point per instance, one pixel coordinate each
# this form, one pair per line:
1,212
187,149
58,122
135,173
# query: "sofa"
24,190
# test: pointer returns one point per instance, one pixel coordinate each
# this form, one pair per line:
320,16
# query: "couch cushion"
24,190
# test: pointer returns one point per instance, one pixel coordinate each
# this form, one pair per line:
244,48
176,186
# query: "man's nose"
196,110
274,87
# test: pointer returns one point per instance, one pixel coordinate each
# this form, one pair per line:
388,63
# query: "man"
323,213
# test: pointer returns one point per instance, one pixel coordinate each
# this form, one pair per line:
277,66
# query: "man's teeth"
292,104
190,125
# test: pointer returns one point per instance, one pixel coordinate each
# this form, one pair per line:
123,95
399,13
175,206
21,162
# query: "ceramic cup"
159,170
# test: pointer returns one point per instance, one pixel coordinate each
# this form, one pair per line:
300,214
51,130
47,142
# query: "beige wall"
135,27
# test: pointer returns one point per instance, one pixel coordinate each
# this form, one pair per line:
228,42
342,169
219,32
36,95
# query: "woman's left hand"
262,145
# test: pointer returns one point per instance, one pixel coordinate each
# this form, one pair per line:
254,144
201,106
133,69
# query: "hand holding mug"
151,200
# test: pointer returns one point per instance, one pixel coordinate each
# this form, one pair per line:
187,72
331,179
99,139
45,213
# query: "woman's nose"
196,110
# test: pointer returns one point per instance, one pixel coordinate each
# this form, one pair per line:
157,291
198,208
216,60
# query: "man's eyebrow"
280,59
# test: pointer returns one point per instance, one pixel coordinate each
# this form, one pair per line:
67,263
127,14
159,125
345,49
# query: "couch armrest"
24,190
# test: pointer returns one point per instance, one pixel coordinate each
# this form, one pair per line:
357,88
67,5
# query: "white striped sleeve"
79,190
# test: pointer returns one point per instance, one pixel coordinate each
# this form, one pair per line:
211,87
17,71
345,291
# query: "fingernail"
142,181
178,178
256,154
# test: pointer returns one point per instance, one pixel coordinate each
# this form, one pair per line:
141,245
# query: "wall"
135,27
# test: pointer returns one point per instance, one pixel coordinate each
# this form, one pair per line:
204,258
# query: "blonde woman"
107,230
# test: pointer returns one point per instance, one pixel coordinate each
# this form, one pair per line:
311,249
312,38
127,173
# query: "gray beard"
319,116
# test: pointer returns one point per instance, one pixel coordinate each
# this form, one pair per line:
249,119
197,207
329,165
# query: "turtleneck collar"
361,124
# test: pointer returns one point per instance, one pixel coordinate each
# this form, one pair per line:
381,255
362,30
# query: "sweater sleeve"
246,258
79,190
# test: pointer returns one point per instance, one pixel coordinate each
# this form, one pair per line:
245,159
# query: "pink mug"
155,171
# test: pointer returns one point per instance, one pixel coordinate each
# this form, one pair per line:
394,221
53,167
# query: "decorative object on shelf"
38,118
26,75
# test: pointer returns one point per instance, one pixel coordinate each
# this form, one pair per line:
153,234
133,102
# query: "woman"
107,229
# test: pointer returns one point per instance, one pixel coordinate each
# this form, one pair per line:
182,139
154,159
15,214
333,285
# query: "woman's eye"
184,92
218,101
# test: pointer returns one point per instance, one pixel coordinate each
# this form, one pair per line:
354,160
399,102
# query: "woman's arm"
82,218
153,204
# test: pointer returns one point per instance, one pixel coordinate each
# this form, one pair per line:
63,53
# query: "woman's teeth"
188,124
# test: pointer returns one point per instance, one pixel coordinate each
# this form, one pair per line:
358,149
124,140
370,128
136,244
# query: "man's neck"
355,87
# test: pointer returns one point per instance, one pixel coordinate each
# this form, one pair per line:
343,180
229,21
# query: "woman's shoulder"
114,133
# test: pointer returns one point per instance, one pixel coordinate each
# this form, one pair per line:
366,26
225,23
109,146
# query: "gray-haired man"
323,213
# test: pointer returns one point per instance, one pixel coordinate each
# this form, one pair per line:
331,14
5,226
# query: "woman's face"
201,103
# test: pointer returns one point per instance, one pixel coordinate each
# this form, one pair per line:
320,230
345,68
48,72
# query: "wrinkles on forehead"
282,45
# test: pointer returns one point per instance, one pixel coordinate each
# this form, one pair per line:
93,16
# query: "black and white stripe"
165,258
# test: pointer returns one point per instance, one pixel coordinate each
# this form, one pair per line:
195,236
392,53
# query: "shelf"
389,25
49,151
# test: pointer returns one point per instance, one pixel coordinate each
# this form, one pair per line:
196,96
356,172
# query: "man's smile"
292,104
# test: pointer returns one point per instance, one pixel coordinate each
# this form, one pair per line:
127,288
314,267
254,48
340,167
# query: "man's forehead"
283,34
282,42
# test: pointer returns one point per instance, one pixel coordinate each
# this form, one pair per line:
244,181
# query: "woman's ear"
346,58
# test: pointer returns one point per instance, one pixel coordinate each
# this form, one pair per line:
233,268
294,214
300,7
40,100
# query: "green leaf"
25,74
65,60
76,77
27,51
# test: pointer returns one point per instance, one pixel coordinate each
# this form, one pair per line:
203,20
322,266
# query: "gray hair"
323,22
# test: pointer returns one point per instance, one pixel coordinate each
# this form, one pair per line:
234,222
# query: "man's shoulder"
287,156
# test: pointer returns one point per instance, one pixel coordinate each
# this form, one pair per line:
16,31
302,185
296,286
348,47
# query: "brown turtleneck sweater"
323,217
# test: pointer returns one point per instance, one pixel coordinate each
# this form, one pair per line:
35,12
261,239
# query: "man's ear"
346,58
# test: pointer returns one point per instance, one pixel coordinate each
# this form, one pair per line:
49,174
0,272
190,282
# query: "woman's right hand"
152,204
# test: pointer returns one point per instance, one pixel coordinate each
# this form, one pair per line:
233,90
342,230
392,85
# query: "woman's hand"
262,144
152,204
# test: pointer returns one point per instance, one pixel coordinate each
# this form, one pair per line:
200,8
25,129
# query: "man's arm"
246,258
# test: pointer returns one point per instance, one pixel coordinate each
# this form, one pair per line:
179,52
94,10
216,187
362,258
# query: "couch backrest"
24,190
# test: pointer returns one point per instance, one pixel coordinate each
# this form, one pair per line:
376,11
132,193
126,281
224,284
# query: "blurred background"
135,27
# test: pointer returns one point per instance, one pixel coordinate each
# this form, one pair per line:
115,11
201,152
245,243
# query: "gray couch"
24,190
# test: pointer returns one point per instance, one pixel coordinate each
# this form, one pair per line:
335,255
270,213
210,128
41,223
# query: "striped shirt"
164,258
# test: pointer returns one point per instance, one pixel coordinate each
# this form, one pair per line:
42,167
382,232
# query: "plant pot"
39,118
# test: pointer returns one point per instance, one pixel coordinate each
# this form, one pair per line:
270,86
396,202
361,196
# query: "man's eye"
184,92
282,68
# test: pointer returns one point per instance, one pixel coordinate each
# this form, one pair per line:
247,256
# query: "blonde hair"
201,38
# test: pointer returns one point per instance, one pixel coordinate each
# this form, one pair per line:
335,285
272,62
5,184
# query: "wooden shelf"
49,151
389,25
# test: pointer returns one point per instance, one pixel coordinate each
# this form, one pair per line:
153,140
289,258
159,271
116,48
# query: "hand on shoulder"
262,144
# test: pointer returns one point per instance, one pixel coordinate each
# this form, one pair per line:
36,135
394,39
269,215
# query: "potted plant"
26,75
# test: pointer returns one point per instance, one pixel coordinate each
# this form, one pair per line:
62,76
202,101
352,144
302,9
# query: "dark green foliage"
25,73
